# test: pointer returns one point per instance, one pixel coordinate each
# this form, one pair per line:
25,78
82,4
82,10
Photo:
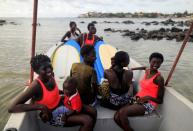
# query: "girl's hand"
64,118
144,99
46,113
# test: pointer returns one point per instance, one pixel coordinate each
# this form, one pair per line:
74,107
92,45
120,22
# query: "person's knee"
116,117
122,113
93,112
87,121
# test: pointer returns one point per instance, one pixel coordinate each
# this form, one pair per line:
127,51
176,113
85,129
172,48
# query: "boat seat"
105,121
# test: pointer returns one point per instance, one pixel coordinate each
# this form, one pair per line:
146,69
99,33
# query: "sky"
72,8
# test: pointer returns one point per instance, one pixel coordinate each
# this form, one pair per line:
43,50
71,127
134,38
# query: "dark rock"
180,23
130,33
128,22
13,23
82,22
143,31
155,22
94,22
137,36
108,29
162,30
2,21
147,23
168,22
188,23
174,29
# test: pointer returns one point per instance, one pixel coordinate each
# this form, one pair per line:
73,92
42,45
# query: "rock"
13,23
155,22
136,37
188,23
174,29
148,24
143,31
82,22
94,22
130,33
2,22
110,22
128,22
162,30
180,23
168,22
108,29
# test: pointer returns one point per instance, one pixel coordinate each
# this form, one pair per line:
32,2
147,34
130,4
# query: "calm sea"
15,47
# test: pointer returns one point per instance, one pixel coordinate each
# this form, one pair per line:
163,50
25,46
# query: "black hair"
37,61
71,23
120,57
156,55
85,50
73,81
89,25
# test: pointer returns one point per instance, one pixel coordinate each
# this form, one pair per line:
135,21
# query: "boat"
175,114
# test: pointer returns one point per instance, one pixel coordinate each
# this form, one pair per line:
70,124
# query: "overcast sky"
72,8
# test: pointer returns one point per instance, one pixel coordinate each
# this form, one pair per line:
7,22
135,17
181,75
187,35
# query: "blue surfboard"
98,65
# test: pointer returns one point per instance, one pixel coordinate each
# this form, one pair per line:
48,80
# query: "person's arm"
18,105
129,82
94,82
78,30
79,40
66,35
139,68
161,89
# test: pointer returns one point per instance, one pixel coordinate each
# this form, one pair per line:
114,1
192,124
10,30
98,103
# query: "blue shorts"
149,108
119,100
57,116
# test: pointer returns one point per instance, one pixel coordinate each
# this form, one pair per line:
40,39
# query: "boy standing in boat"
150,94
87,79
119,81
72,34
88,38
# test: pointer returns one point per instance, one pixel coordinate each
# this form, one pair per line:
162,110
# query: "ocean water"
15,50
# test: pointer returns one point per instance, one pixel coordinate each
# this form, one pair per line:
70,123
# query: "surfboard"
98,65
51,51
63,59
106,52
75,45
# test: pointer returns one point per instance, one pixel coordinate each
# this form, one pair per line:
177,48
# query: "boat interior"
175,114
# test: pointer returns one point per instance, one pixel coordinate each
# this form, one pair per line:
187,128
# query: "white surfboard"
106,52
62,62
53,49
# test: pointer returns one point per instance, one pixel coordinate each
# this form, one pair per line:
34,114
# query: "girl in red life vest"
88,38
44,94
150,94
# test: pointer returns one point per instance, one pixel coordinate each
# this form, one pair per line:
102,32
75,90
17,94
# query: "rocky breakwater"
173,33
4,22
168,22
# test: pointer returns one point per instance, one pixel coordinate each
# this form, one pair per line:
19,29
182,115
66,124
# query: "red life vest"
148,88
73,102
89,42
49,98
